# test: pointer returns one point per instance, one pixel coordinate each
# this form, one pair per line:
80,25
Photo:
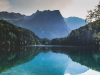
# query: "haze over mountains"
75,22
46,24
11,16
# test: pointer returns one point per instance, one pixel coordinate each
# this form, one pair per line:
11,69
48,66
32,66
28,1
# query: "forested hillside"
84,36
11,35
87,35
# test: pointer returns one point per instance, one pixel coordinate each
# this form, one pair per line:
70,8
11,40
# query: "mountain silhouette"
75,22
45,24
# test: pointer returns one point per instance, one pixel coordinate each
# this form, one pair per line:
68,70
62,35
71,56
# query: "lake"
49,60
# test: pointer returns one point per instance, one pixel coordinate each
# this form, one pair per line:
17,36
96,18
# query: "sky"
89,72
76,8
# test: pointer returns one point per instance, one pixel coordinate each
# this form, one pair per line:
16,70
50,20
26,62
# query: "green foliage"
11,35
83,36
93,15
45,41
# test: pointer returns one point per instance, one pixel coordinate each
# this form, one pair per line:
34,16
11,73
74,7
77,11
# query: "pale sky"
89,72
77,8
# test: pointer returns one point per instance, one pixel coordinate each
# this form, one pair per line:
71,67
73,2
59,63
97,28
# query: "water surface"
50,60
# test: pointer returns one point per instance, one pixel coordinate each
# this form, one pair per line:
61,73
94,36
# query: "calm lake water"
49,60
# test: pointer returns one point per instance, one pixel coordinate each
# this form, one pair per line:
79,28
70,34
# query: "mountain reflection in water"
48,60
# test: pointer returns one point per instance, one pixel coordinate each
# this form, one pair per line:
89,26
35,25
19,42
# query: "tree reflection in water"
10,57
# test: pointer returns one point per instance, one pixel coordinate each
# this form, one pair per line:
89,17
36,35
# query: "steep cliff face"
48,24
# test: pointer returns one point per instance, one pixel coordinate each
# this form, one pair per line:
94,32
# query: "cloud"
79,8
91,72
4,5
67,8
30,6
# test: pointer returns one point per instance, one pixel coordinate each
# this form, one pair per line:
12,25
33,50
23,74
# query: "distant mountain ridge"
8,16
75,22
46,24
33,15
88,35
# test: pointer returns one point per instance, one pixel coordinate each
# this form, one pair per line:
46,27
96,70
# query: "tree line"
87,35
11,35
